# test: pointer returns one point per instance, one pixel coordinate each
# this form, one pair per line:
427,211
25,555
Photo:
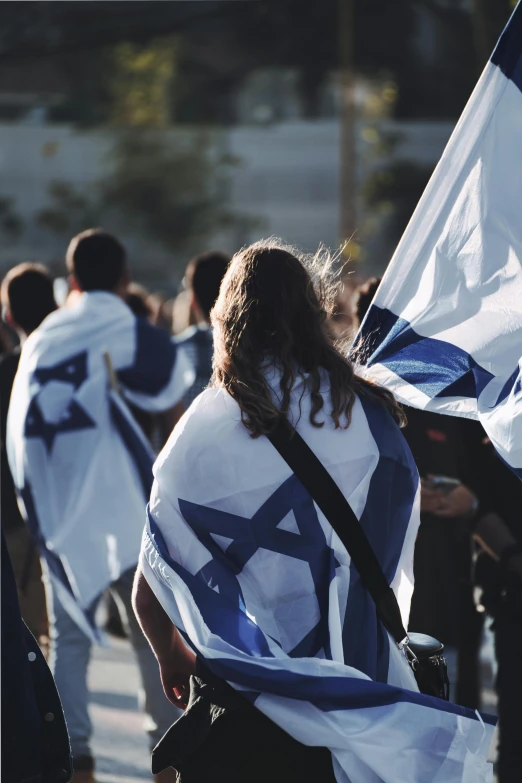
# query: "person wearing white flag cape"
83,470
244,589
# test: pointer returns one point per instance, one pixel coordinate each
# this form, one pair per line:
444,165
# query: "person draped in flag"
83,470
242,582
203,277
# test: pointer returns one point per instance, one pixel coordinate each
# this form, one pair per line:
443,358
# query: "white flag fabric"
80,464
251,572
444,331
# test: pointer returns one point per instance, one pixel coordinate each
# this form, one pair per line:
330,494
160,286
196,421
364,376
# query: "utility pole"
489,18
347,200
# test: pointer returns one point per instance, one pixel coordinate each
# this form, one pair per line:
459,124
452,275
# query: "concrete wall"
287,179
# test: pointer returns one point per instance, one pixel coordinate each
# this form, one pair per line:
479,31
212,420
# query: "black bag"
223,738
424,653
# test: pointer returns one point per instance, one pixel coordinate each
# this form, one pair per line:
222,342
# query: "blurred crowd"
468,561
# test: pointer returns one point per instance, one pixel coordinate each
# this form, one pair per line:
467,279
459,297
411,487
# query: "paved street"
120,742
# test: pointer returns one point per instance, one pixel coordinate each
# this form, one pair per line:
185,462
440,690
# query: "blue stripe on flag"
513,384
54,563
391,495
508,51
330,694
141,456
220,614
436,367
154,360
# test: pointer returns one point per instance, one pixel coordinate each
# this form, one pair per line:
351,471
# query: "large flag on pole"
444,331
81,466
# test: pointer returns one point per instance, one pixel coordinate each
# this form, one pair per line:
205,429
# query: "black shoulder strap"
317,481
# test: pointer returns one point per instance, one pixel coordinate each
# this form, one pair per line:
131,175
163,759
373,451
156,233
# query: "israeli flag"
252,574
444,331
81,466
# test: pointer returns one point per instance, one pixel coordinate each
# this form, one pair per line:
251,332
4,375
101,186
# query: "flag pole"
347,203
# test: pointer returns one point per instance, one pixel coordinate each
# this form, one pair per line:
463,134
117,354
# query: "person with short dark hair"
136,299
97,262
203,278
83,469
27,299
205,274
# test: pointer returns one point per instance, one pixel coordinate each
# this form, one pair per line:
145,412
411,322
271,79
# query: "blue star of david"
73,371
261,531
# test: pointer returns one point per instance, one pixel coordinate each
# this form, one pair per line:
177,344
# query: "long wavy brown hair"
273,308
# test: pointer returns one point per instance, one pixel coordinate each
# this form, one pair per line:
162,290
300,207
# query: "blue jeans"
70,653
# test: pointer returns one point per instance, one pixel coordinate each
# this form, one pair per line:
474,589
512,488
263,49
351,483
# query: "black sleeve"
476,462
498,489
35,743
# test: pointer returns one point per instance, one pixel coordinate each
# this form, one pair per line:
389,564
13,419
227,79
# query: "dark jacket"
35,743
10,514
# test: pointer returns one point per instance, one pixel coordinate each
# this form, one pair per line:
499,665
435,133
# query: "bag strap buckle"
410,656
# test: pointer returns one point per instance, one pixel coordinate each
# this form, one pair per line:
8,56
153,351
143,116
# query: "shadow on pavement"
115,701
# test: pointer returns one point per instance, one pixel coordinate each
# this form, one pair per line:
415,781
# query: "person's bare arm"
175,660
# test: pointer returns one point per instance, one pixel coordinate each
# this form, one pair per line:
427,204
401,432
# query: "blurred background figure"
136,299
498,576
69,356
363,298
203,278
27,299
161,315
182,313
342,318
35,744
8,339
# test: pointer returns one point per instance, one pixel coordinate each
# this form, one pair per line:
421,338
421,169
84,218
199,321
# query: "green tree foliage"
220,43
391,194
165,188
140,83
69,210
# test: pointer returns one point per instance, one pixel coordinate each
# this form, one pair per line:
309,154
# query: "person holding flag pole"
444,333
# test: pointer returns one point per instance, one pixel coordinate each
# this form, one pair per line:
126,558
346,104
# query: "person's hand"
460,502
430,498
175,676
